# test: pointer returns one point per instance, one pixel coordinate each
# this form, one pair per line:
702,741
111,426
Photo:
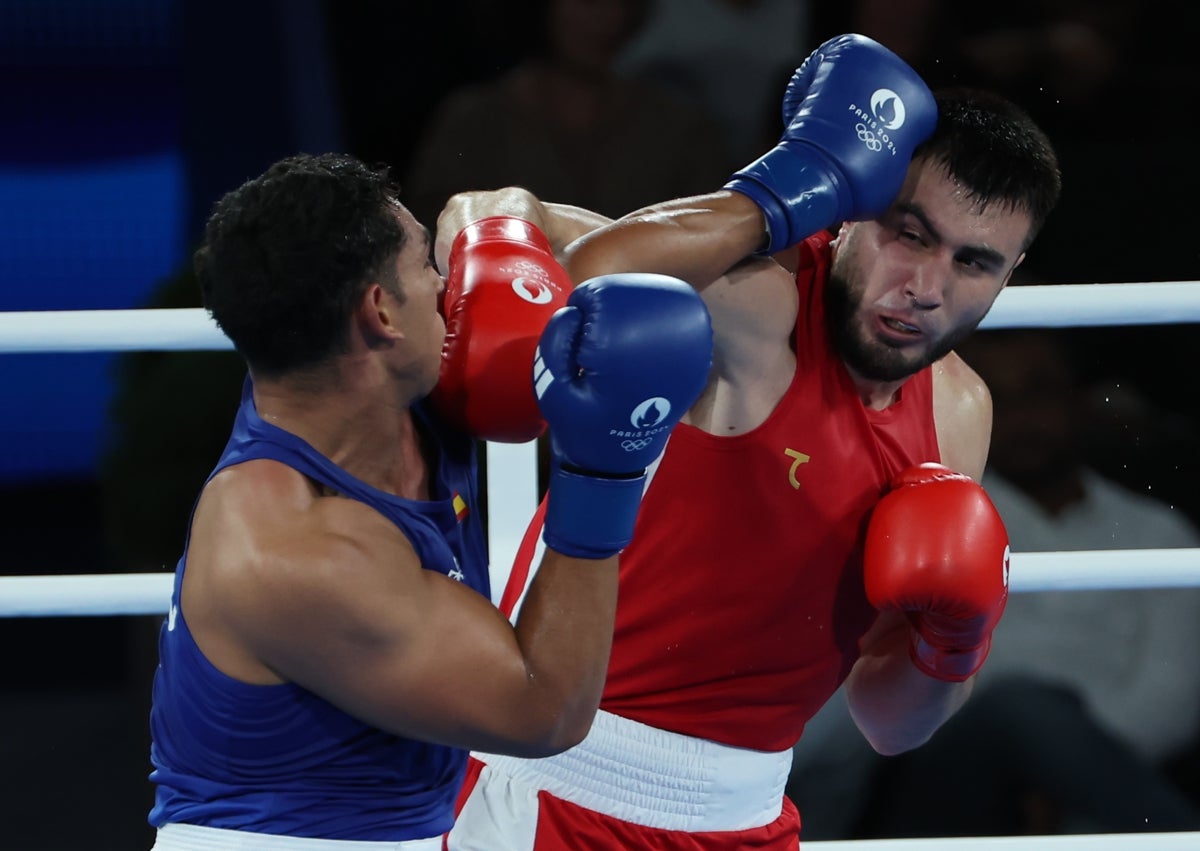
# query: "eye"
976,263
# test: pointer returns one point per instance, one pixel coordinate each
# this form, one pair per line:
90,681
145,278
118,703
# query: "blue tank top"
279,759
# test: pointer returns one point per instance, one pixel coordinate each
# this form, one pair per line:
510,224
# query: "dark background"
124,120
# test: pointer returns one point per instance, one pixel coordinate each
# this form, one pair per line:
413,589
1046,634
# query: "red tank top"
741,596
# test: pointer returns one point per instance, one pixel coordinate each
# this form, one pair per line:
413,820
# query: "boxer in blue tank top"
331,652
278,758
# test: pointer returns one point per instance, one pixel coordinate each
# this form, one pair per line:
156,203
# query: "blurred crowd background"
124,120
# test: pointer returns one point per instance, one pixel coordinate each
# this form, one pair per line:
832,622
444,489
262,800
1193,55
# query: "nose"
925,285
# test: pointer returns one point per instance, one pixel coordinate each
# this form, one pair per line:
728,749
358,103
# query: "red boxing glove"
503,286
937,549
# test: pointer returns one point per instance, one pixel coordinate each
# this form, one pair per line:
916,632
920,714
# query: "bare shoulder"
757,297
753,309
272,557
282,532
962,411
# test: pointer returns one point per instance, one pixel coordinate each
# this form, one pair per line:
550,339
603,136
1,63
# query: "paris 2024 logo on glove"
885,113
646,421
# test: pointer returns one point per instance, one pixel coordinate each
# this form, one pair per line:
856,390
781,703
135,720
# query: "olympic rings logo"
868,138
636,445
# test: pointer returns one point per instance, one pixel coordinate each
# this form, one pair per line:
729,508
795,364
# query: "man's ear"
376,314
839,237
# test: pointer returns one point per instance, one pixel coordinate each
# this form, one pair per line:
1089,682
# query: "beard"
871,358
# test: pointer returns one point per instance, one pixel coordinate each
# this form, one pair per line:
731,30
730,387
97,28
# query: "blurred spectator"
1131,654
393,63
165,441
563,124
1061,51
1086,695
731,57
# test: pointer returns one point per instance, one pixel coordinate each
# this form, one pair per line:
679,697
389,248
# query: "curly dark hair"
994,149
287,254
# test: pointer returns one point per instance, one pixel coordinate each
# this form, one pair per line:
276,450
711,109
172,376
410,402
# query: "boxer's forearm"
561,223
895,705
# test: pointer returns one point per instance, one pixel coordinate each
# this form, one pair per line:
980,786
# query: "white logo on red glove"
1006,559
534,292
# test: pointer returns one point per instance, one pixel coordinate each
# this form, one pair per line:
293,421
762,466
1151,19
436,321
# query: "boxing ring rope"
510,505
149,593
191,329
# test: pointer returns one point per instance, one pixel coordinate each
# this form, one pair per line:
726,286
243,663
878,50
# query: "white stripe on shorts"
659,779
191,837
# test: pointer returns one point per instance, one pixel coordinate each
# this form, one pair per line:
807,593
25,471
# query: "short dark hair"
996,151
287,254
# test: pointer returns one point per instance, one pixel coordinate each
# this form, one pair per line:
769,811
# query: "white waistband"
191,837
659,779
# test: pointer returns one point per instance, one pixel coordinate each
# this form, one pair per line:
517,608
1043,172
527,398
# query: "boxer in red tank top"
814,520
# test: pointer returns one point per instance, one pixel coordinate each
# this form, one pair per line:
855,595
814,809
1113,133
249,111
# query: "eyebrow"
983,254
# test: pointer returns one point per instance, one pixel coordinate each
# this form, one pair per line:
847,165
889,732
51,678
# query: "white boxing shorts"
628,785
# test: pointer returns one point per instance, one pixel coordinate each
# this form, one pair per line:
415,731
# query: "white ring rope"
192,329
149,593
150,330
1181,841
1070,305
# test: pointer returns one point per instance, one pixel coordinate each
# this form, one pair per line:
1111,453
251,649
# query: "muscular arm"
561,223
285,585
895,705
697,239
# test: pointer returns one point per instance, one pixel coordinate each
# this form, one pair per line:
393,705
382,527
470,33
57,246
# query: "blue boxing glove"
615,370
854,113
